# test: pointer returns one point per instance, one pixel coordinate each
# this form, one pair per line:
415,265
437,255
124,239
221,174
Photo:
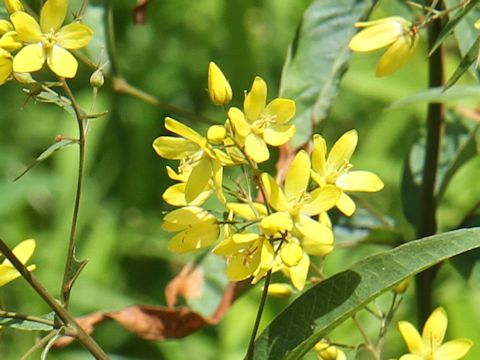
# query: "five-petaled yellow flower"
396,33
335,169
23,252
429,345
49,41
262,124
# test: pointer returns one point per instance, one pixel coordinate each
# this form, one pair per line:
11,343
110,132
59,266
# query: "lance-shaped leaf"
325,306
317,59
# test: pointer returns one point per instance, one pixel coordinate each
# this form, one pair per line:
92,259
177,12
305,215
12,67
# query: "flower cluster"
398,34
267,225
37,43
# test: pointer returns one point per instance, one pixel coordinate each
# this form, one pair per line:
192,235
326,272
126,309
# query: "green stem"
261,306
68,277
426,225
65,317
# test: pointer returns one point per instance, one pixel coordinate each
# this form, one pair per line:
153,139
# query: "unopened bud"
216,134
13,5
326,351
219,89
280,290
23,78
402,286
97,79
5,26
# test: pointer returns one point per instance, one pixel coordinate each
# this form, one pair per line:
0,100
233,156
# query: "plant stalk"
427,225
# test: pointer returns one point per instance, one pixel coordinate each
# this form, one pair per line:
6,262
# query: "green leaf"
438,95
317,59
468,60
47,153
29,325
326,305
452,23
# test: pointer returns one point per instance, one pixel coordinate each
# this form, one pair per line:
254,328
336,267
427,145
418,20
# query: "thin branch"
23,317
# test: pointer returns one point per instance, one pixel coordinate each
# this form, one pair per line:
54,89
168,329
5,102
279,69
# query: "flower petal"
319,155
275,196
23,251
282,110
174,148
74,36
291,254
453,350
52,15
27,27
8,273
175,195
255,100
412,337
30,58
183,130
277,222
13,6
279,134
345,204
298,177
256,148
396,55
435,328
10,41
62,62
240,124
6,66
198,179
250,212
322,199
217,175
377,35
411,357
298,274
359,181
342,150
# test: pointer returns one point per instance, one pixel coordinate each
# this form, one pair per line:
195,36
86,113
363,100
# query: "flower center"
333,174
263,122
49,39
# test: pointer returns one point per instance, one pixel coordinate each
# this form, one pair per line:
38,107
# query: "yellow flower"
5,65
335,169
23,252
396,33
219,89
262,124
175,194
429,346
49,41
196,229
195,152
13,5
295,206
280,290
326,351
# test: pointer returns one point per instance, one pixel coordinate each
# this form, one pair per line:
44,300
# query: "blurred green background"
120,217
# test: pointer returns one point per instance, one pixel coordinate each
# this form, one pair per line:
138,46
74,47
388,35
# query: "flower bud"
97,79
402,286
216,134
23,78
326,351
13,5
5,26
219,89
280,290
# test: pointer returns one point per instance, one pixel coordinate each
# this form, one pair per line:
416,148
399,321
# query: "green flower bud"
97,79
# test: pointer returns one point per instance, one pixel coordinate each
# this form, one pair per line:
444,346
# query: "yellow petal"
244,238
453,350
23,251
74,36
291,254
8,273
183,130
28,59
280,290
219,89
175,195
298,177
275,196
256,148
62,62
174,148
217,174
10,41
345,204
13,6
435,328
255,100
198,179
411,357
278,222
396,55
319,155
195,237
240,124
322,199
342,150
282,110
52,15
241,267
359,181
186,216
377,35
5,66
248,211
27,27
5,26
298,274
279,134
412,337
